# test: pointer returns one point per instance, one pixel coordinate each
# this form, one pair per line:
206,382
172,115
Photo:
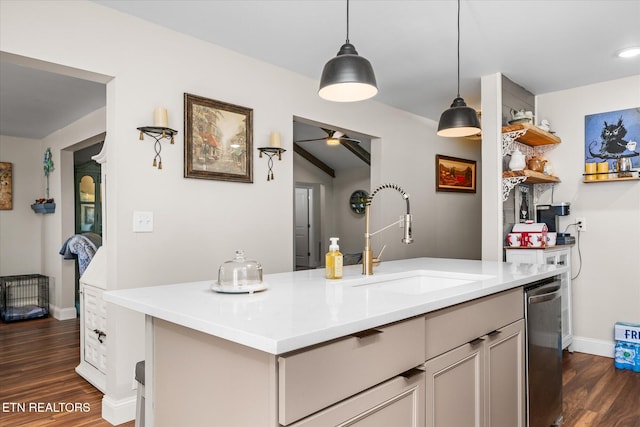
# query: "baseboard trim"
593,346
63,313
119,411
92,375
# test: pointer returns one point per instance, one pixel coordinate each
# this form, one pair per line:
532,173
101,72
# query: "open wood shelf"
610,176
630,178
533,177
533,136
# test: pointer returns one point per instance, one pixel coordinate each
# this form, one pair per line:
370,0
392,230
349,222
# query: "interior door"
303,251
88,198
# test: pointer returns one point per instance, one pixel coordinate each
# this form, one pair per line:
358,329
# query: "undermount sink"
416,282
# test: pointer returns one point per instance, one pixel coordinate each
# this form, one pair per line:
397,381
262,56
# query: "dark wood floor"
37,362
38,358
597,394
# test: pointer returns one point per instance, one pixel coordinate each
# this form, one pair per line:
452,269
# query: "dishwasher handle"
549,296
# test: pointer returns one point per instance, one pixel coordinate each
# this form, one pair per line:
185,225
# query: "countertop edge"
285,345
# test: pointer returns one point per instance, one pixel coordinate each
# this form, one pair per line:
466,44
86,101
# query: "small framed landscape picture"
6,186
454,174
218,140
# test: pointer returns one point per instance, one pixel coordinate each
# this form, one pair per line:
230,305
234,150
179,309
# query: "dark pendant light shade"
348,77
459,120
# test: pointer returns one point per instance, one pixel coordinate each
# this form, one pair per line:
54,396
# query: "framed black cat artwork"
611,136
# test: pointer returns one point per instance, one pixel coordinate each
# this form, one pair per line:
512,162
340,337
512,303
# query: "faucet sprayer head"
407,239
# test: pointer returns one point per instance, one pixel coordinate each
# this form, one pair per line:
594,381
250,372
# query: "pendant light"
348,77
459,120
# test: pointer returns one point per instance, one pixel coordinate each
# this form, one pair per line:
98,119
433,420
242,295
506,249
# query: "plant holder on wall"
44,208
46,205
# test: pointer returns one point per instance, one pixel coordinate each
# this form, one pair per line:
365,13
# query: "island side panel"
203,380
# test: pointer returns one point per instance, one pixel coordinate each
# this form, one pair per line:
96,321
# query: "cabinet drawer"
313,379
453,326
398,402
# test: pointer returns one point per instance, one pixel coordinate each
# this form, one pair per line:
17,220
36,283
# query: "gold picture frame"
218,140
455,175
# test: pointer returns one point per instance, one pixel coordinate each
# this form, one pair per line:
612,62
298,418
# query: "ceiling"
34,102
544,46
337,157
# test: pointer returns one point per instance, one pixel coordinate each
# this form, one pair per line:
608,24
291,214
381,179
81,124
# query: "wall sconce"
159,131
270,151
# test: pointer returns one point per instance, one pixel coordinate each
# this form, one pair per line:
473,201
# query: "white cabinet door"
455,388
398,402
480,383
95,327
564,258
504,377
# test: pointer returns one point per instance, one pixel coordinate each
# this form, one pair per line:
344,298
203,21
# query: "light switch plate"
142,222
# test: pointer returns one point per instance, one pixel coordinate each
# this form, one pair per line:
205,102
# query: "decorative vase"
517,162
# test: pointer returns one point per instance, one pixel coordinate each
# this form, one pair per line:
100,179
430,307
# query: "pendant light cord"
458,47
347,21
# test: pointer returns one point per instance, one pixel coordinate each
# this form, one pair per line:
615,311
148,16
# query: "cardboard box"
532,234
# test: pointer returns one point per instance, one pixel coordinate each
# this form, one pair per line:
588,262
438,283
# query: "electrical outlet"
581,224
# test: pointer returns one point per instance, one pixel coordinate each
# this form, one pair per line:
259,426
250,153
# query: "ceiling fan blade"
314,139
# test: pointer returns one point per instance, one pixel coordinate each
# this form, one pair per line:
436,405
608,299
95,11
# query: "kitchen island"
308,351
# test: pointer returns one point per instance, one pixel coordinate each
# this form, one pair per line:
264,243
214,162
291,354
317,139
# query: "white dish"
519,121
247,289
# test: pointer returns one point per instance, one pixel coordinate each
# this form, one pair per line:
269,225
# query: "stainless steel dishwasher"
544,352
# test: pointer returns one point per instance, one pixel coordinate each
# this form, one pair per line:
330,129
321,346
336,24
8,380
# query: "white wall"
21,228
349,225
306,173
198,223
60,226
608,287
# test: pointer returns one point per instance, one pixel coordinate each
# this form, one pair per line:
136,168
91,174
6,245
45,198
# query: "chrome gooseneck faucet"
367,255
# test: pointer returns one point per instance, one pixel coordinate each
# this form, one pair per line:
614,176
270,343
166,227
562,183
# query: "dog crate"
24,297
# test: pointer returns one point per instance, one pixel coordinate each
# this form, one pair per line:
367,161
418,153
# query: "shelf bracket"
508,138
509,183
541,188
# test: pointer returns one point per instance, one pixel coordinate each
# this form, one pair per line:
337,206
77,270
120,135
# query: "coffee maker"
549,214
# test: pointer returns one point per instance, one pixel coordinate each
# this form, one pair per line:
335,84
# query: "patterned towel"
82,246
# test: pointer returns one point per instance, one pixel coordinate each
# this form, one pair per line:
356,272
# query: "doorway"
307,216
329,165
87,201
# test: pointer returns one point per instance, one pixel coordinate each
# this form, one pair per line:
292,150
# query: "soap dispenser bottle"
333,260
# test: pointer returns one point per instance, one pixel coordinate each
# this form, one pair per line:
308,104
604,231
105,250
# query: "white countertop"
302,308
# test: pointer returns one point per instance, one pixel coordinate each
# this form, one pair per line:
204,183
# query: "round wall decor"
358,200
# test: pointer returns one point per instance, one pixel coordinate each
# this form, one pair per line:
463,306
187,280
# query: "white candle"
160,118
275,139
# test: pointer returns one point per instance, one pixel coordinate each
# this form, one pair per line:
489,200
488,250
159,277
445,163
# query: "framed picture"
611,136
218,140
6,185
453,174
